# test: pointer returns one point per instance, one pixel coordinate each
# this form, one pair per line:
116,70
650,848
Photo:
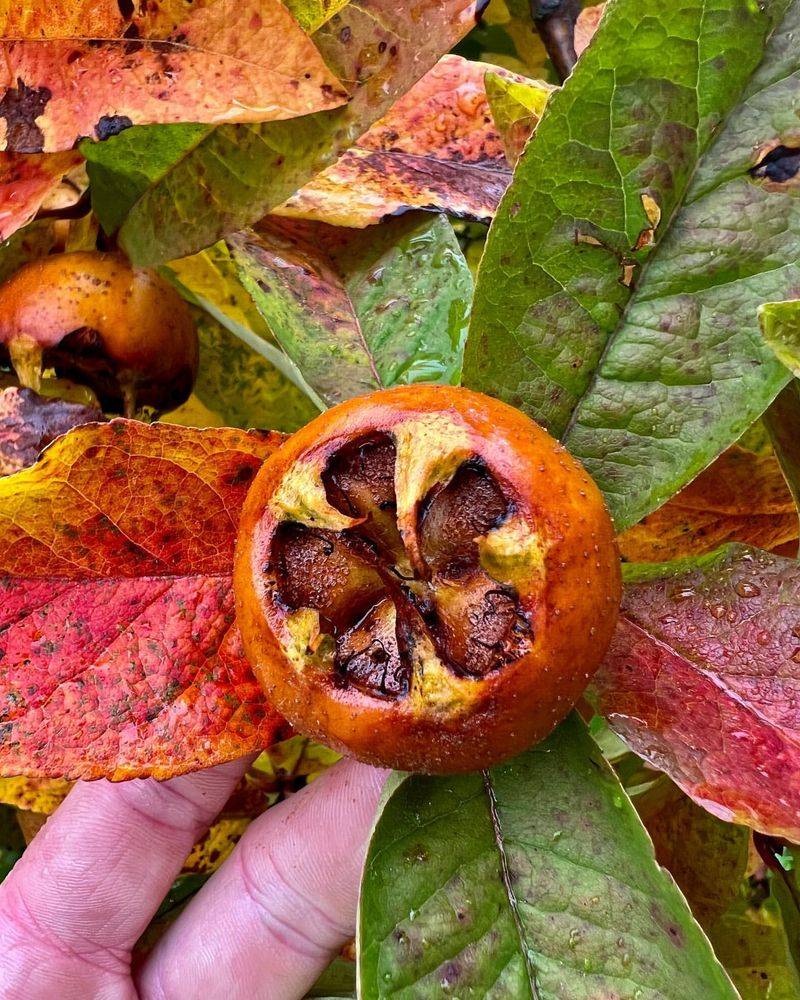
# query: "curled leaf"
25,183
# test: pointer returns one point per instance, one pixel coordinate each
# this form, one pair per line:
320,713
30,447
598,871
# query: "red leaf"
25,182
118,652
703,681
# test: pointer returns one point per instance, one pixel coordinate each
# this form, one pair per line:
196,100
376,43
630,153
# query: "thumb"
283,904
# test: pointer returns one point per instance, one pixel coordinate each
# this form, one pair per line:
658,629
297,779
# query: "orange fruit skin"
145,327
573,611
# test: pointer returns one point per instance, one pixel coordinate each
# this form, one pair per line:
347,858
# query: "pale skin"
262,928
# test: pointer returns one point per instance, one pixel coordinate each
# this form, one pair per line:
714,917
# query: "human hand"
264,926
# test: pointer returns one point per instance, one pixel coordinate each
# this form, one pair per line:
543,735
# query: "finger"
87,886
282,905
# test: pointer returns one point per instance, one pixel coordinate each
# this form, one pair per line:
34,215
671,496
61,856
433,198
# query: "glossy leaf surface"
702,681
470,891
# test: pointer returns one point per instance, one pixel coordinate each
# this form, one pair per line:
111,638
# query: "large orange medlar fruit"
425,579
123,331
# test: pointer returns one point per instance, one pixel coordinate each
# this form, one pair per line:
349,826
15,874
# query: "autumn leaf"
29,422
210,279
742,497
436,149
179,190
701,681
707,857
227,60
25,182
357,311
118,653
780,327
617,297
516,106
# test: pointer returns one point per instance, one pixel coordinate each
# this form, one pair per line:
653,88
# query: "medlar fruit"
92,317
425,579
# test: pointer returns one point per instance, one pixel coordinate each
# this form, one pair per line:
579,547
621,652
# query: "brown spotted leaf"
224,61
702,680
29,422
179,191
437,149
118,652
742,497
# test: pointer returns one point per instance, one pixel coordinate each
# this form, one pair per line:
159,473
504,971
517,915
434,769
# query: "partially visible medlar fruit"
425,579
92,317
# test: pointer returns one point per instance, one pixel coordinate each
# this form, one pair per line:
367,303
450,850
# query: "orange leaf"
118,653
742,497
437,149
226,61
25,182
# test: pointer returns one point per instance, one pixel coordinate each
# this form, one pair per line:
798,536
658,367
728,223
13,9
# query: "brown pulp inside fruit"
376,609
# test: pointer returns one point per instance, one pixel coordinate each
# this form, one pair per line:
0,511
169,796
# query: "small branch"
555,22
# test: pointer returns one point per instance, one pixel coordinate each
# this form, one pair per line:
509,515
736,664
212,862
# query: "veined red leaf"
225,61
118,653
703,681
25,182
438,148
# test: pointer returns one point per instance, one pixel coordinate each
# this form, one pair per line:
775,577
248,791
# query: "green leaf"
210,280
616,301
239,386
12,843
780,327
198,184
338,980
751,941
782,420
36,239
535,879
357,310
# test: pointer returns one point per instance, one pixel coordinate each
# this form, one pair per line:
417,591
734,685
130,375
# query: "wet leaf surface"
357,311
702,680
180,190
741,497
228,60
438,148
470,891
617,296
118,653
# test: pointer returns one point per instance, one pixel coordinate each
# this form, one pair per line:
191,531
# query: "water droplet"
626,960
682,594
574,937
746,589
557,834
796,655
717,611
762,638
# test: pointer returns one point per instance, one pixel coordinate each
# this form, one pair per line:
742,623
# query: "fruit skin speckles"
450,613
